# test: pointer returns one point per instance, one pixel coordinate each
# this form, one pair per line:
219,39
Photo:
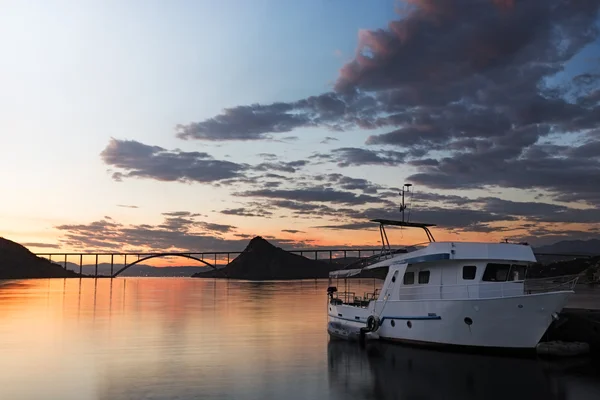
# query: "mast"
405,188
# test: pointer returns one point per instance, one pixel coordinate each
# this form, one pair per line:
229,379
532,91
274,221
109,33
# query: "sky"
197,125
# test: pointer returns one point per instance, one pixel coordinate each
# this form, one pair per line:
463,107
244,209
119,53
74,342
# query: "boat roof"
446,251
402,223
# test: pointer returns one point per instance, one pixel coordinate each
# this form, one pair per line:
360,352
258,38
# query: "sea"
190,338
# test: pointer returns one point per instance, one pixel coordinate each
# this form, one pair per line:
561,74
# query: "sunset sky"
196,125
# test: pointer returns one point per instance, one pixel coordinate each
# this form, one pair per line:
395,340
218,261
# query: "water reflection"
178,338
391,371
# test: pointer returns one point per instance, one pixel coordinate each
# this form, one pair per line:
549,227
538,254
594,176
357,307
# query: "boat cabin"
440,270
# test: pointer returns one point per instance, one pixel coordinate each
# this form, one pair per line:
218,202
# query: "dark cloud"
329,139
294,231
109,236
465,89
246,123
210,226
180,214
41,245
247,212
268,156
568,178
313,194
348,183
349,156
350,226
137,160
290,166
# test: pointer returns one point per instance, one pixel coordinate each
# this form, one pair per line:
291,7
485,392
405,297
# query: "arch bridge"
148,257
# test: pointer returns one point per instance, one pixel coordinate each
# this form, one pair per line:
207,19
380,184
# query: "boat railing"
550,284
350,298
482,290
477,290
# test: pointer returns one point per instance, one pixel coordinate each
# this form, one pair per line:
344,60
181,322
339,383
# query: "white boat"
448,293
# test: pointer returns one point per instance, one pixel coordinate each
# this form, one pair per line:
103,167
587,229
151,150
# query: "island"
261,260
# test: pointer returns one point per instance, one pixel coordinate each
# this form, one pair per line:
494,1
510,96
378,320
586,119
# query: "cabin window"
409,278
423,276
517,273
469,272
504,272
496,272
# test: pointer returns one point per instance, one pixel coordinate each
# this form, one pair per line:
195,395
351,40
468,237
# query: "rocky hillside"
263,261
16,262
567,267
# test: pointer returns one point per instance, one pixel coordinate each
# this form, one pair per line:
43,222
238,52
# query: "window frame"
412,275
474,272
428,275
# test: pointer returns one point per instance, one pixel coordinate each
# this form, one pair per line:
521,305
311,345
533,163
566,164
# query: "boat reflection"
391,371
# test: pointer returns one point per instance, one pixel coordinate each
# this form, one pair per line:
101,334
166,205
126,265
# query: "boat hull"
517,322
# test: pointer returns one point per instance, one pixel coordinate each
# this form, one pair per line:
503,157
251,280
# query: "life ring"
373,323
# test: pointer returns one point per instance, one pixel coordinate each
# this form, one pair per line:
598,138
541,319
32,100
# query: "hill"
263,261
568,267
17,262
581,247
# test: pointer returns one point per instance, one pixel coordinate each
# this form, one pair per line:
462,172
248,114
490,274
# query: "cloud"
137,160
126,206
222,228
293,231
349,156
360,226
471,92
313,194
41,245
247,212
290,166
329,139
348,183
168,237
180,214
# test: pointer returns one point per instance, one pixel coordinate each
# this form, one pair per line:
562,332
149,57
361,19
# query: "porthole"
409,324
468,321
393,323
394,278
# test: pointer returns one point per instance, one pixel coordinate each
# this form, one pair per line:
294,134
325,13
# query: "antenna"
405,188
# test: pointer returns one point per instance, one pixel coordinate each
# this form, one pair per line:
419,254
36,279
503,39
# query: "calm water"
178,338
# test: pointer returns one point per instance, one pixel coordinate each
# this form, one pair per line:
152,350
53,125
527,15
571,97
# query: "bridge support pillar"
111,264
80,263
65,262
96,271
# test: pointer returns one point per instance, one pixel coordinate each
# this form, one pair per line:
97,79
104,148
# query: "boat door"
391,283
449,281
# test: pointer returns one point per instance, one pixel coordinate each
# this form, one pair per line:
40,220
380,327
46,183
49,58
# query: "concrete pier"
580,320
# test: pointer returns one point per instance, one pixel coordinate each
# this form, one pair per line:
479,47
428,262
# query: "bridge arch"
163,255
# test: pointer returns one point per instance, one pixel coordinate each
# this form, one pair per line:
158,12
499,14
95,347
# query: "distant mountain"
583,247
17,262
263,261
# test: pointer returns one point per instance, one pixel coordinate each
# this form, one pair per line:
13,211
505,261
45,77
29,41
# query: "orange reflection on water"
90,338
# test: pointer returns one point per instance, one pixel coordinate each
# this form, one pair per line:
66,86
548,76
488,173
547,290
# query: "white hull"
506,322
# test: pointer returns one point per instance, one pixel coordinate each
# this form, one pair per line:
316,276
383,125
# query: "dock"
579,321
